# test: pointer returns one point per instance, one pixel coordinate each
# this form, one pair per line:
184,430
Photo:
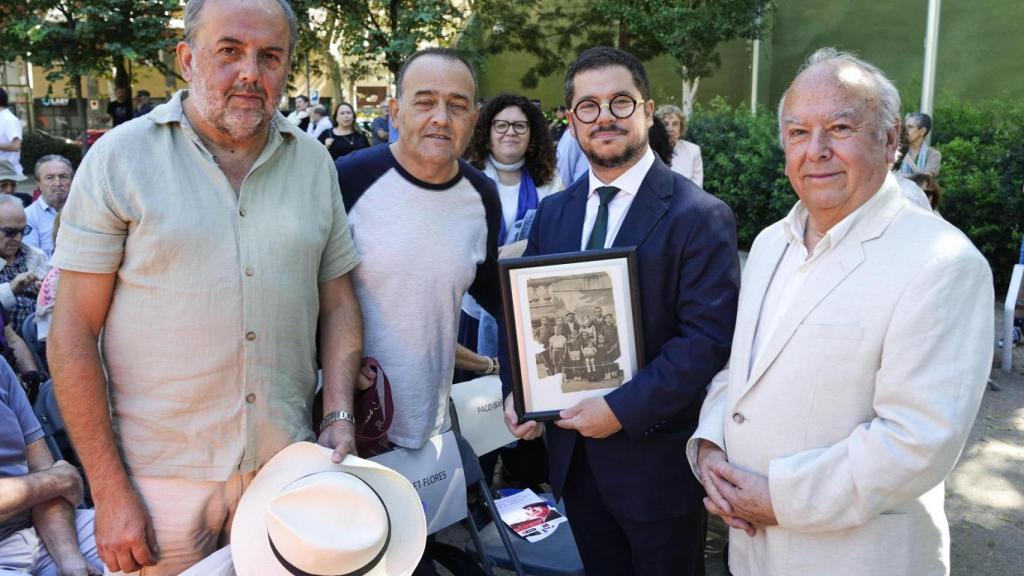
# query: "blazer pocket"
880,548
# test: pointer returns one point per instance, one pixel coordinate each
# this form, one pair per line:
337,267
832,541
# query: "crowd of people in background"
434,191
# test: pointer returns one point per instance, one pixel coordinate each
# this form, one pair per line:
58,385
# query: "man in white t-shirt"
10,134
418,211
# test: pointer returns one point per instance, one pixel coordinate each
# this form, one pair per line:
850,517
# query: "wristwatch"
335,416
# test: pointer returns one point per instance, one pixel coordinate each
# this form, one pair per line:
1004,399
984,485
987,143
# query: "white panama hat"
305,515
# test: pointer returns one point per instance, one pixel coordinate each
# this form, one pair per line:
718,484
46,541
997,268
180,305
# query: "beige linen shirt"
209,342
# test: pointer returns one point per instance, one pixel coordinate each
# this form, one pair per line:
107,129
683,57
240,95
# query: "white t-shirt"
422,247
10,130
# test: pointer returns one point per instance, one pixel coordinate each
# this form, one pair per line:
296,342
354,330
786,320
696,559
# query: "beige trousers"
191,518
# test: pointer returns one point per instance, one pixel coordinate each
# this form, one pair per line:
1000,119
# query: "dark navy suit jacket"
688,271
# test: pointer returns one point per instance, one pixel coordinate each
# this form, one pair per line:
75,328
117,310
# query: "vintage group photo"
580,339
573,334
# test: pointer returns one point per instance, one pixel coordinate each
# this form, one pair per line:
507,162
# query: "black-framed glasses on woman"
621,107
12,232
519,127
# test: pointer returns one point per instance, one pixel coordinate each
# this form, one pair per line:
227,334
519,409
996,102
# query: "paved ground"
984,495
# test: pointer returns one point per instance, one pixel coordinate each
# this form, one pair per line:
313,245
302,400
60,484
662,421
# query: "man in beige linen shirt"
862,346
206,240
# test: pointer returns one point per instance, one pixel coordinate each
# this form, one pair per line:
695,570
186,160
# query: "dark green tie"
597,235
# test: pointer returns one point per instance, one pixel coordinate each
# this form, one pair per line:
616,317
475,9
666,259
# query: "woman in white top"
511,146
686,158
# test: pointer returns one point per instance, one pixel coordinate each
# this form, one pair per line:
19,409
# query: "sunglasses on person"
519,127
621,107
12,232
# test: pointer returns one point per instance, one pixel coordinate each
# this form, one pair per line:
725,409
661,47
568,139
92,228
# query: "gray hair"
668,109
6,199
194,8
885,93
51,158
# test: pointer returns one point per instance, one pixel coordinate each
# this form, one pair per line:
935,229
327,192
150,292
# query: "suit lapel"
648,207
570,221
848,255
755,283
829,274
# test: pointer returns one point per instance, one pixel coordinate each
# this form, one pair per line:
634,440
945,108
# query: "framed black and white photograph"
573,327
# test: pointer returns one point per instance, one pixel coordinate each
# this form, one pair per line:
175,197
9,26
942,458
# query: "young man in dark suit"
618,461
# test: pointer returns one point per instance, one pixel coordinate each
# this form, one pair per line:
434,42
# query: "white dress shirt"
628,184
795,268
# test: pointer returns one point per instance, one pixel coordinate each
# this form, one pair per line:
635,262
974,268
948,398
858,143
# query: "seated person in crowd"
930,186
53,173
17,354
22,267
9,178
41,533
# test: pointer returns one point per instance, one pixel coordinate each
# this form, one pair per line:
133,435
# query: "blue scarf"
914,165
527,201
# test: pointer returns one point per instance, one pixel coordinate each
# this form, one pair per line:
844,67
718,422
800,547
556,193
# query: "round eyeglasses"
621,107
519,127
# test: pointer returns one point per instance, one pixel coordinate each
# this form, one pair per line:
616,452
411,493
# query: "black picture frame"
539,363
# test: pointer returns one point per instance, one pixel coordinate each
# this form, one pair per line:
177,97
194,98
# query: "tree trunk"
83,118
689,92
122,79
623,39
336,78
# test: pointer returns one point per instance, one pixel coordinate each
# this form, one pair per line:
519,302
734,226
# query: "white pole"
931,48
755,70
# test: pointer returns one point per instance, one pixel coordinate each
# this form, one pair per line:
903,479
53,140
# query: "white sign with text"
436,473
481,412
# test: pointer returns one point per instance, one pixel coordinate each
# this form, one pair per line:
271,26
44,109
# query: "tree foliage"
78,38
690,31
372,34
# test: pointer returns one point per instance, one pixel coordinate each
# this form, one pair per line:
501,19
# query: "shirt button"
738,418
250,335
250,398
249,271
241,212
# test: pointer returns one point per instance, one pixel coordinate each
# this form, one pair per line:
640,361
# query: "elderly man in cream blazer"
862,347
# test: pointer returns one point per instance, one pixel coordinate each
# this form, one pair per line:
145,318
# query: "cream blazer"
686,160
861,401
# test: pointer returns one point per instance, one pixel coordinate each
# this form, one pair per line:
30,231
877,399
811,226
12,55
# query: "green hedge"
743,165
982,147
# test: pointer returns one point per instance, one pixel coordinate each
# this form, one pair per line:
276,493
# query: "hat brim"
249,541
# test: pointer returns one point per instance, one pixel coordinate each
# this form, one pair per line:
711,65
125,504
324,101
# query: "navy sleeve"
486,287
359,170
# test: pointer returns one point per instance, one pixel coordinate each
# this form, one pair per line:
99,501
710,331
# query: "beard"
235,124
632,151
